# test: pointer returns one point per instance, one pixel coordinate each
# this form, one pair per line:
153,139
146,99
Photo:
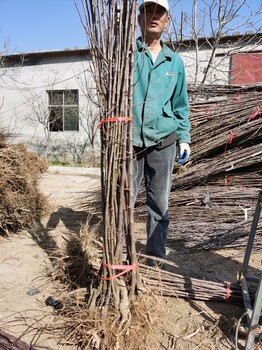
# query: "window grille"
63,110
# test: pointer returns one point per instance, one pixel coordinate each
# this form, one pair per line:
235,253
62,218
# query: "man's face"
153,20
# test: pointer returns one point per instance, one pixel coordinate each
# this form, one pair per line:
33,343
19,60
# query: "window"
63,110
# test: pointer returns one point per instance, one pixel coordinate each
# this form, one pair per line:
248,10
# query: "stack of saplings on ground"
21,203
214,196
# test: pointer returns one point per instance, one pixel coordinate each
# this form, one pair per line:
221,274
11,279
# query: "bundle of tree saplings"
111,31
21,203
169,284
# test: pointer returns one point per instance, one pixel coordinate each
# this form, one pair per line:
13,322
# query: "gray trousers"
156,167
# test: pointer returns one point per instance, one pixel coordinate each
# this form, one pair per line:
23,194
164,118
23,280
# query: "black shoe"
152,262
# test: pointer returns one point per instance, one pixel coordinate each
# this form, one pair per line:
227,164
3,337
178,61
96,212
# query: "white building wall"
219,74
23,92
23,89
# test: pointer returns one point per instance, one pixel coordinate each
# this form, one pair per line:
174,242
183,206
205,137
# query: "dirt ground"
25,283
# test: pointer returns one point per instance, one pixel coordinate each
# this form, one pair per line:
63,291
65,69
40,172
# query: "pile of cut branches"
21,202
213,197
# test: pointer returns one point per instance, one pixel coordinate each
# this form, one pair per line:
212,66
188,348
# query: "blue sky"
39,25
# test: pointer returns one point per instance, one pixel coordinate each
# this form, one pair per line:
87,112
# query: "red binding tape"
115,119
228,293
254,115
230,140
124,268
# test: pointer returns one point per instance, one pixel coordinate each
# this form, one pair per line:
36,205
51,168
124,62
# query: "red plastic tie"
254,115
232,136
227,179
228,293
124,268
238,97
241,92
115,119
203,109
229,141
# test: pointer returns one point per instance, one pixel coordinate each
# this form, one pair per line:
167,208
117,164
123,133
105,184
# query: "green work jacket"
160,100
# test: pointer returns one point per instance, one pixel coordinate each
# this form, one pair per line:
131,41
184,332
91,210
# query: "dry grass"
21,203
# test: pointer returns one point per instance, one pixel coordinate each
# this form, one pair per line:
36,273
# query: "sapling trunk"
111,30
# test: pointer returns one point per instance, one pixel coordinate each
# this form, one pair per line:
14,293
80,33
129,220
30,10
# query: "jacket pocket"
167,111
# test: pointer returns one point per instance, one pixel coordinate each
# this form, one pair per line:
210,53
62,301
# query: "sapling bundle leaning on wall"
111,28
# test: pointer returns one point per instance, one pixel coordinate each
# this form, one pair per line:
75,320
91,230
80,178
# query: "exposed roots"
91,329
89,326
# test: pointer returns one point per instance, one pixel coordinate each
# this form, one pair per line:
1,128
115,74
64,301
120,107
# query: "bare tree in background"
39,117
206,28
3,52
82,148
89,115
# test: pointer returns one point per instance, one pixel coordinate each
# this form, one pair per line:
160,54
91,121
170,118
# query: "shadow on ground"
42,234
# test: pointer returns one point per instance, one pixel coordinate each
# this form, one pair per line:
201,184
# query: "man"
160,119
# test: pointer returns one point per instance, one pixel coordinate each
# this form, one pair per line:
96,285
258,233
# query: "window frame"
60,125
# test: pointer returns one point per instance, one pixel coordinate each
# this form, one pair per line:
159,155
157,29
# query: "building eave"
16,58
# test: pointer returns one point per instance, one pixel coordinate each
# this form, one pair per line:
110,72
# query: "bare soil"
25,263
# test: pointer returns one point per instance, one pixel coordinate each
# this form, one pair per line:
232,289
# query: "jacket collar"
142,46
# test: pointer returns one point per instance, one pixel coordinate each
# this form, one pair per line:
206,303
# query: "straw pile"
21,203
214,196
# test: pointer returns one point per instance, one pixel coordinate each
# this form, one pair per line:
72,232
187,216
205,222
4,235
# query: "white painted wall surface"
23,94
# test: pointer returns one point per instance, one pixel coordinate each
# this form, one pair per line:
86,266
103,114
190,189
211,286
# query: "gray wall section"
24,82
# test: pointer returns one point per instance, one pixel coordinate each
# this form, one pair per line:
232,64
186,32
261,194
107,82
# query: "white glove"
183,153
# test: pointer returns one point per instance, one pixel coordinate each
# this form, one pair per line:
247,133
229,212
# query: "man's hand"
183,153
